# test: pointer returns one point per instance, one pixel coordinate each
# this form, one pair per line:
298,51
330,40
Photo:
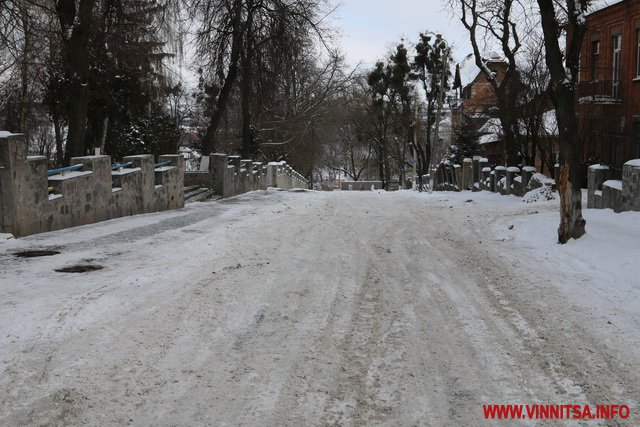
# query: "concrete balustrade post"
458,183
145,184
510,184
246,175
272,174
476,170
485,179
527,173
596,176
97,198
631,185
467,174
501,173
171,195
218,164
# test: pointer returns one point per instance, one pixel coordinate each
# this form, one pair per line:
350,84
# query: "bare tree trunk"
59,141
77,58
381,167
247,83
572,224
385,162
506,91
510,139
209,144
25,104
103,134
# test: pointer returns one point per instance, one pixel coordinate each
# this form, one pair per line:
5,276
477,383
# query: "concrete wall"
231,175
32,202
361,185
475,174
621,195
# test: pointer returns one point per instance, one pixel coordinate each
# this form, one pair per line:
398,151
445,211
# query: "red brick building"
478,101
478,95
609,88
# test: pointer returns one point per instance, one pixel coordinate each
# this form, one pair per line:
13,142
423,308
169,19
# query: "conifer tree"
465,141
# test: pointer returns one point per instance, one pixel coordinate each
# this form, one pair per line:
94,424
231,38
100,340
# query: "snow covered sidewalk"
307,308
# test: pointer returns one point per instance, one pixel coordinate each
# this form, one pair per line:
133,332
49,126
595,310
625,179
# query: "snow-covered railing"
475,174
360,185
34,200
600,91
231,175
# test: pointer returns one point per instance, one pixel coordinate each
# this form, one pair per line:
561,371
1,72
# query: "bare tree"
556,16
538,130
75,23
244,42
496,22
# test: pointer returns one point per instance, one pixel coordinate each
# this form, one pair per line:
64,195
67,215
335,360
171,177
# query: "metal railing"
121,166
605,91
63,170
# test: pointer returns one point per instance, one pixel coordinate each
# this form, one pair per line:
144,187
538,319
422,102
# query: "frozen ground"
306,308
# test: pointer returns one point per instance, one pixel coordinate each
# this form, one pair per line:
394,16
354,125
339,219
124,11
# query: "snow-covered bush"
541,194
539,180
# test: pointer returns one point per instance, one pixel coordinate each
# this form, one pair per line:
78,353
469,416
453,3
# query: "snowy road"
305,308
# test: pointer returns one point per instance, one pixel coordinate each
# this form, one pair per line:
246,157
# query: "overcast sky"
371,28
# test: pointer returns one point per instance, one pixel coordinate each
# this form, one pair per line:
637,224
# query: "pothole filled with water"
35,253
84,268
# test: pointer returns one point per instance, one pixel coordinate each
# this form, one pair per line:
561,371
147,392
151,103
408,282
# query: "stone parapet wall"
229,176
475,174
361,185
33,202
619,195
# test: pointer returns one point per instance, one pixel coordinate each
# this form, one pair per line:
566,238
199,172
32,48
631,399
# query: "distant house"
609,88
478,101
478,97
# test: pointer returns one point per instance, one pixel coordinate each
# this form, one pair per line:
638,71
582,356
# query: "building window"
595,59
615,76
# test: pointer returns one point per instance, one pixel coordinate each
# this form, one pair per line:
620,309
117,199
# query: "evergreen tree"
390,92
465,141
430,67
457,81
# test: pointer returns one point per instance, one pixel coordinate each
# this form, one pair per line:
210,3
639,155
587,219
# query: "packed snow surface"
308,308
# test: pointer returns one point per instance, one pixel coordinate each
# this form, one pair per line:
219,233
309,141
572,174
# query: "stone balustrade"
475,174
229,176
31,201
619,195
